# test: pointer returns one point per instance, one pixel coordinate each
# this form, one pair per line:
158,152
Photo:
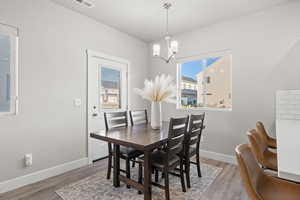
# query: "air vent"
85,3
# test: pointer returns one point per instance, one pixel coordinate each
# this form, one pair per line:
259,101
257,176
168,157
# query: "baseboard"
289,176
218,156
41,175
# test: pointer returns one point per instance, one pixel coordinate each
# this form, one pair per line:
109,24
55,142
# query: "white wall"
266,57
52,68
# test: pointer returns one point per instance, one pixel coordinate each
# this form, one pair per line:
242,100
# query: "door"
107,92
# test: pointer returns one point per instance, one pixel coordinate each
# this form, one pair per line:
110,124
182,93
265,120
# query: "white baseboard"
218,156
41,175
289,176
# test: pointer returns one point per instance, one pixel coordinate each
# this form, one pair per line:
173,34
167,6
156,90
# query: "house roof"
110,84
184,78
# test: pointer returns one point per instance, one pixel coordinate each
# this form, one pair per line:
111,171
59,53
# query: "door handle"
94,114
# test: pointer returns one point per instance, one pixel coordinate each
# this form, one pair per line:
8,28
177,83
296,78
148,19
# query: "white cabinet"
288,134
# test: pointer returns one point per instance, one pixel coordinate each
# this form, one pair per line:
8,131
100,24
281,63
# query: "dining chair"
168,158
271,142
265,157
192,145
114,120
138,117
258,184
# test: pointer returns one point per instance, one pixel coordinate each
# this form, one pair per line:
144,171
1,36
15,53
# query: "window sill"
206,109
7,114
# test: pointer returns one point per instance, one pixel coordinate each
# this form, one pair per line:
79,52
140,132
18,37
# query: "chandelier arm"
162,58
167,60
170,57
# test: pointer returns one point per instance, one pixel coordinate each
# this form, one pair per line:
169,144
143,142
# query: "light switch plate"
77,102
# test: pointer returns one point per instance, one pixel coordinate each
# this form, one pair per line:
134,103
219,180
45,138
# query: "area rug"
97,187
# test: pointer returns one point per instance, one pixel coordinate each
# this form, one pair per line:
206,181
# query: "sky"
108,74
191,69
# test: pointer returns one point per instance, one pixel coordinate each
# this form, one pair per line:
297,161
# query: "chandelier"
172,45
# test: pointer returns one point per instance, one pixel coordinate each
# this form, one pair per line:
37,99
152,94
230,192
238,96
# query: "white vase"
156,119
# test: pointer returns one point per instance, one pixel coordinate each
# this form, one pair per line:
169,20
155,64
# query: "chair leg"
109,165
182,176
128,170
198,164
167,191
156,176
110,155
187,172
140,176
162,175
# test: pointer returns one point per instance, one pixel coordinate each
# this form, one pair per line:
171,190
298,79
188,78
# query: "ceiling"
145,19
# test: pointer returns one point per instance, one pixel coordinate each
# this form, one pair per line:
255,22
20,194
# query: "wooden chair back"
258,146
250,171
196,126
115,119
177,132
138,117
261,129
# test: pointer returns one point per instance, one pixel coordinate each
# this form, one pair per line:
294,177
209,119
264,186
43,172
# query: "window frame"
195,58
12,33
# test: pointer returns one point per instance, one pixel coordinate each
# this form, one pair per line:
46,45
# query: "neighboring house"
214,84
188,91
110,94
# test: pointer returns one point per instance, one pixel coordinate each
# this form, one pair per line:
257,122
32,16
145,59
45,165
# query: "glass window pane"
5,49
110,88
206,83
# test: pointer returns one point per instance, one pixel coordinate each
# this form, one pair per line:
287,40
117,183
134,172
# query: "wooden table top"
140,136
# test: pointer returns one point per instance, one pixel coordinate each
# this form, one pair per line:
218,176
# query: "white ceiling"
145,19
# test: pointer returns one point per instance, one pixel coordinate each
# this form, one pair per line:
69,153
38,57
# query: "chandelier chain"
167,28
167,6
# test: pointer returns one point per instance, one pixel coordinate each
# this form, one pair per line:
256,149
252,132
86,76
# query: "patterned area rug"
97,187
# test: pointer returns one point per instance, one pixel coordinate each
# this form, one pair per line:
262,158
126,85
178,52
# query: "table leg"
147,175
116,180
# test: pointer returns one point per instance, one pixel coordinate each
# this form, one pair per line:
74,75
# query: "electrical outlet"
28,160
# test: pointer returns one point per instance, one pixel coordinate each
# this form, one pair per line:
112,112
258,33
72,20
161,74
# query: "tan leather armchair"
271,142
259,185
265,157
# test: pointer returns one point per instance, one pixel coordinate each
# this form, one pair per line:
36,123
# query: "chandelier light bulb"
156,50
174,46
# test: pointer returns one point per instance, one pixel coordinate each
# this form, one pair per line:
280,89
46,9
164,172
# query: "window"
8,70
210,81
110,88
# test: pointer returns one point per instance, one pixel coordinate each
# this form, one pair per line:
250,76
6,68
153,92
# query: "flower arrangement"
162,88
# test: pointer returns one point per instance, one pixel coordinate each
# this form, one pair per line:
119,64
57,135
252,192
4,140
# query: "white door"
107,92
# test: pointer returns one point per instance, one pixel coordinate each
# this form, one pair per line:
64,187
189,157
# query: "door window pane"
5,49
110,90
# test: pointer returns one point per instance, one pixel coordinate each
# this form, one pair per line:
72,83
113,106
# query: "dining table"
140,137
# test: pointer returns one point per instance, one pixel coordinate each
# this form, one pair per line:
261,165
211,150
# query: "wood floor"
227,185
